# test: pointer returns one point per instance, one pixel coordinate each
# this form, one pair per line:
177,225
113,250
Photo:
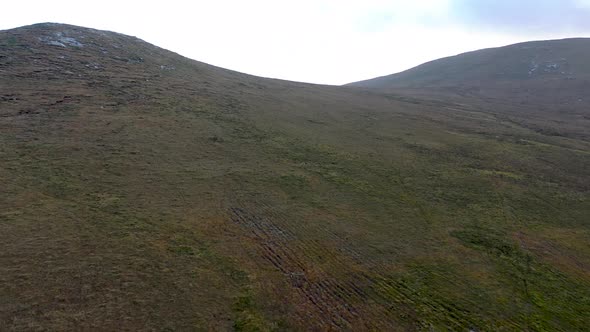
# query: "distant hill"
144,191
555,70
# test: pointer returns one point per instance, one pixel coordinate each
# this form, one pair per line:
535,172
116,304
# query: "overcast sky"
318,41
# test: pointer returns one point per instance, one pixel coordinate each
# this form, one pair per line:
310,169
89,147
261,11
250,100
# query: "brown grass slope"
141,190
551,60
545,82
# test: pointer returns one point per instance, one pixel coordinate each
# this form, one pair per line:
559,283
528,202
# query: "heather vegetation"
145,191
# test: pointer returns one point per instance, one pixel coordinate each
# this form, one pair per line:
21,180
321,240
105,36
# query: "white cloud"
583,3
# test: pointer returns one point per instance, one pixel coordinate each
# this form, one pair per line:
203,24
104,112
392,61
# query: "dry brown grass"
137,197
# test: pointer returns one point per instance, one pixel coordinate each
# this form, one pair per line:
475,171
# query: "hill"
530,65
145,191
547,80
552,60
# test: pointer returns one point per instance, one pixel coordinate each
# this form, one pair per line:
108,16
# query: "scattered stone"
60,40
71,41
135,59
55,43
94,65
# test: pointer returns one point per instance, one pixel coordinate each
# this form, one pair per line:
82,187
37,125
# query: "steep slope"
145,191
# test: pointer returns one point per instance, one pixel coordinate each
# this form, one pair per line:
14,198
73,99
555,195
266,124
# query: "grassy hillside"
145,191
542,85
554,72
560,60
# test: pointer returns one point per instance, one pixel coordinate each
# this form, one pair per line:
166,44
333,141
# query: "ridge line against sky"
321,41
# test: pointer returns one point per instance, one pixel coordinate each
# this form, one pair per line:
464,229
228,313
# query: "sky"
316,41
